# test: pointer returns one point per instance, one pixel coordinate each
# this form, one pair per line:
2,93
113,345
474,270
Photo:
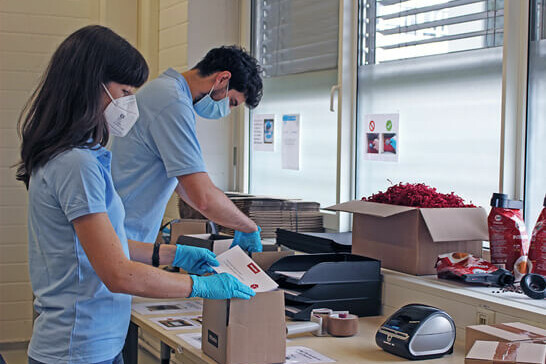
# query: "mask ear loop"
108,92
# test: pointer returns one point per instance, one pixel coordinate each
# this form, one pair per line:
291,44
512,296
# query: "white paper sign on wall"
381,137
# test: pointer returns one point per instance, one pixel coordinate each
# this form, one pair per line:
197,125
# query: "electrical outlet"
484,316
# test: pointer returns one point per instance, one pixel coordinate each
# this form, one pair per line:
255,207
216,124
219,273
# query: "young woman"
83,269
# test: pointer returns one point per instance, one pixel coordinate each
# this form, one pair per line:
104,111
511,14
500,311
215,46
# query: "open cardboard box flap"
444,224
455,224
370,208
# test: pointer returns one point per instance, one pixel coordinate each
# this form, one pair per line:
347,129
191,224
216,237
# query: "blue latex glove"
194,260
251,242
392,142
220,287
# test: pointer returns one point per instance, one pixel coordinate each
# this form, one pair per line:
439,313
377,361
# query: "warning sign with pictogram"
381,141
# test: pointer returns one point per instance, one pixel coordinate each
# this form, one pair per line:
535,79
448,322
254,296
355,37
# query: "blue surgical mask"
209,108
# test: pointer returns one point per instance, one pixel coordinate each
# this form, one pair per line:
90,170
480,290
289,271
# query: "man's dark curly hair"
245,71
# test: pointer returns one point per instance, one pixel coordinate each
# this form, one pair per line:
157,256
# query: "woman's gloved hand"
220,287
251,242
195,260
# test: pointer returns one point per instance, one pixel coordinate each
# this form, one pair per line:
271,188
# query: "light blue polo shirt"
161,146
80,320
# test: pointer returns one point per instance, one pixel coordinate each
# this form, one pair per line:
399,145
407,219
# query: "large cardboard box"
507,332
494,352
409,239
187,227
245,331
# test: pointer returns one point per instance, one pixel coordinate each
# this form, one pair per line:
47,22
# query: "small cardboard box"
187,227
269,255
483,352
213,242
507,332
409,239
245,331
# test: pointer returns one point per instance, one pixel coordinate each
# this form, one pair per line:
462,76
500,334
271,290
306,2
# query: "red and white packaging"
458,264
537,251
509,241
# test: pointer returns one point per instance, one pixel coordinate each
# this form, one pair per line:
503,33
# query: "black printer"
417,332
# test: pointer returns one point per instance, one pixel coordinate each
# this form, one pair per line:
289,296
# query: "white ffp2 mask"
121,114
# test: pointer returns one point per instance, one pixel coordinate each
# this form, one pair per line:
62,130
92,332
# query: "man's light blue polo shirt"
161,146
80,320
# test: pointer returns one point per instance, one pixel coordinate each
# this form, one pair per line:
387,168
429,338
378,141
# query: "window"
297,44
398,29
436,65
295,36
535,178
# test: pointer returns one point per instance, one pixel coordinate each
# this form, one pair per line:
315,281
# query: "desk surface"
360,348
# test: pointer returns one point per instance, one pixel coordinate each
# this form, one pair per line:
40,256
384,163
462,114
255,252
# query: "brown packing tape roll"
346,325
506,352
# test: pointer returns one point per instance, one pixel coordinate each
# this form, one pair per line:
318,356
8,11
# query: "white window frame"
513,114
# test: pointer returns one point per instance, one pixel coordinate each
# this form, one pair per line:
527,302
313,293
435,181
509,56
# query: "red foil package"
463,263
537,251
468,268
509,242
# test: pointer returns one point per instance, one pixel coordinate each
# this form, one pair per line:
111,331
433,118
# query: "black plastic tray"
327,269
315,242
357,306
322,292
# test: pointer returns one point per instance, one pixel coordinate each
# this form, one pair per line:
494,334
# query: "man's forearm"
219,208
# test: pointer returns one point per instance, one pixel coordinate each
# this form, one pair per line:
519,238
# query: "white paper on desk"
177,322
290,151
192,338
168,307
303,355
236,262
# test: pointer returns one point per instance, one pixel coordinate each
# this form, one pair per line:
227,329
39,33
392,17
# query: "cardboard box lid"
507,352
511,331
444,224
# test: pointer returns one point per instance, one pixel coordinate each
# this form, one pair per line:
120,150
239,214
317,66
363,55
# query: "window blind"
295,36
399,29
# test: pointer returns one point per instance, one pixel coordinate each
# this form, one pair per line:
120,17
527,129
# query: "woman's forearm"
139,279
142,252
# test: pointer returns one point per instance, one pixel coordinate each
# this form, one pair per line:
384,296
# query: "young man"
161,153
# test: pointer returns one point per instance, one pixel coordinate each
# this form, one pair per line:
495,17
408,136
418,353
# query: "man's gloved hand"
220,287
251,242
195,260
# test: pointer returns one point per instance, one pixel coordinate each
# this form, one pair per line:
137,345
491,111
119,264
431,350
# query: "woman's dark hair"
245,71
66,109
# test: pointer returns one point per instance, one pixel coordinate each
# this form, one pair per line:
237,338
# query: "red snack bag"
509,242
537,251
468,268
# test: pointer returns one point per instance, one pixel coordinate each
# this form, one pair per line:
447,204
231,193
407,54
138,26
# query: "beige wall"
173,52
30,30
173,35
